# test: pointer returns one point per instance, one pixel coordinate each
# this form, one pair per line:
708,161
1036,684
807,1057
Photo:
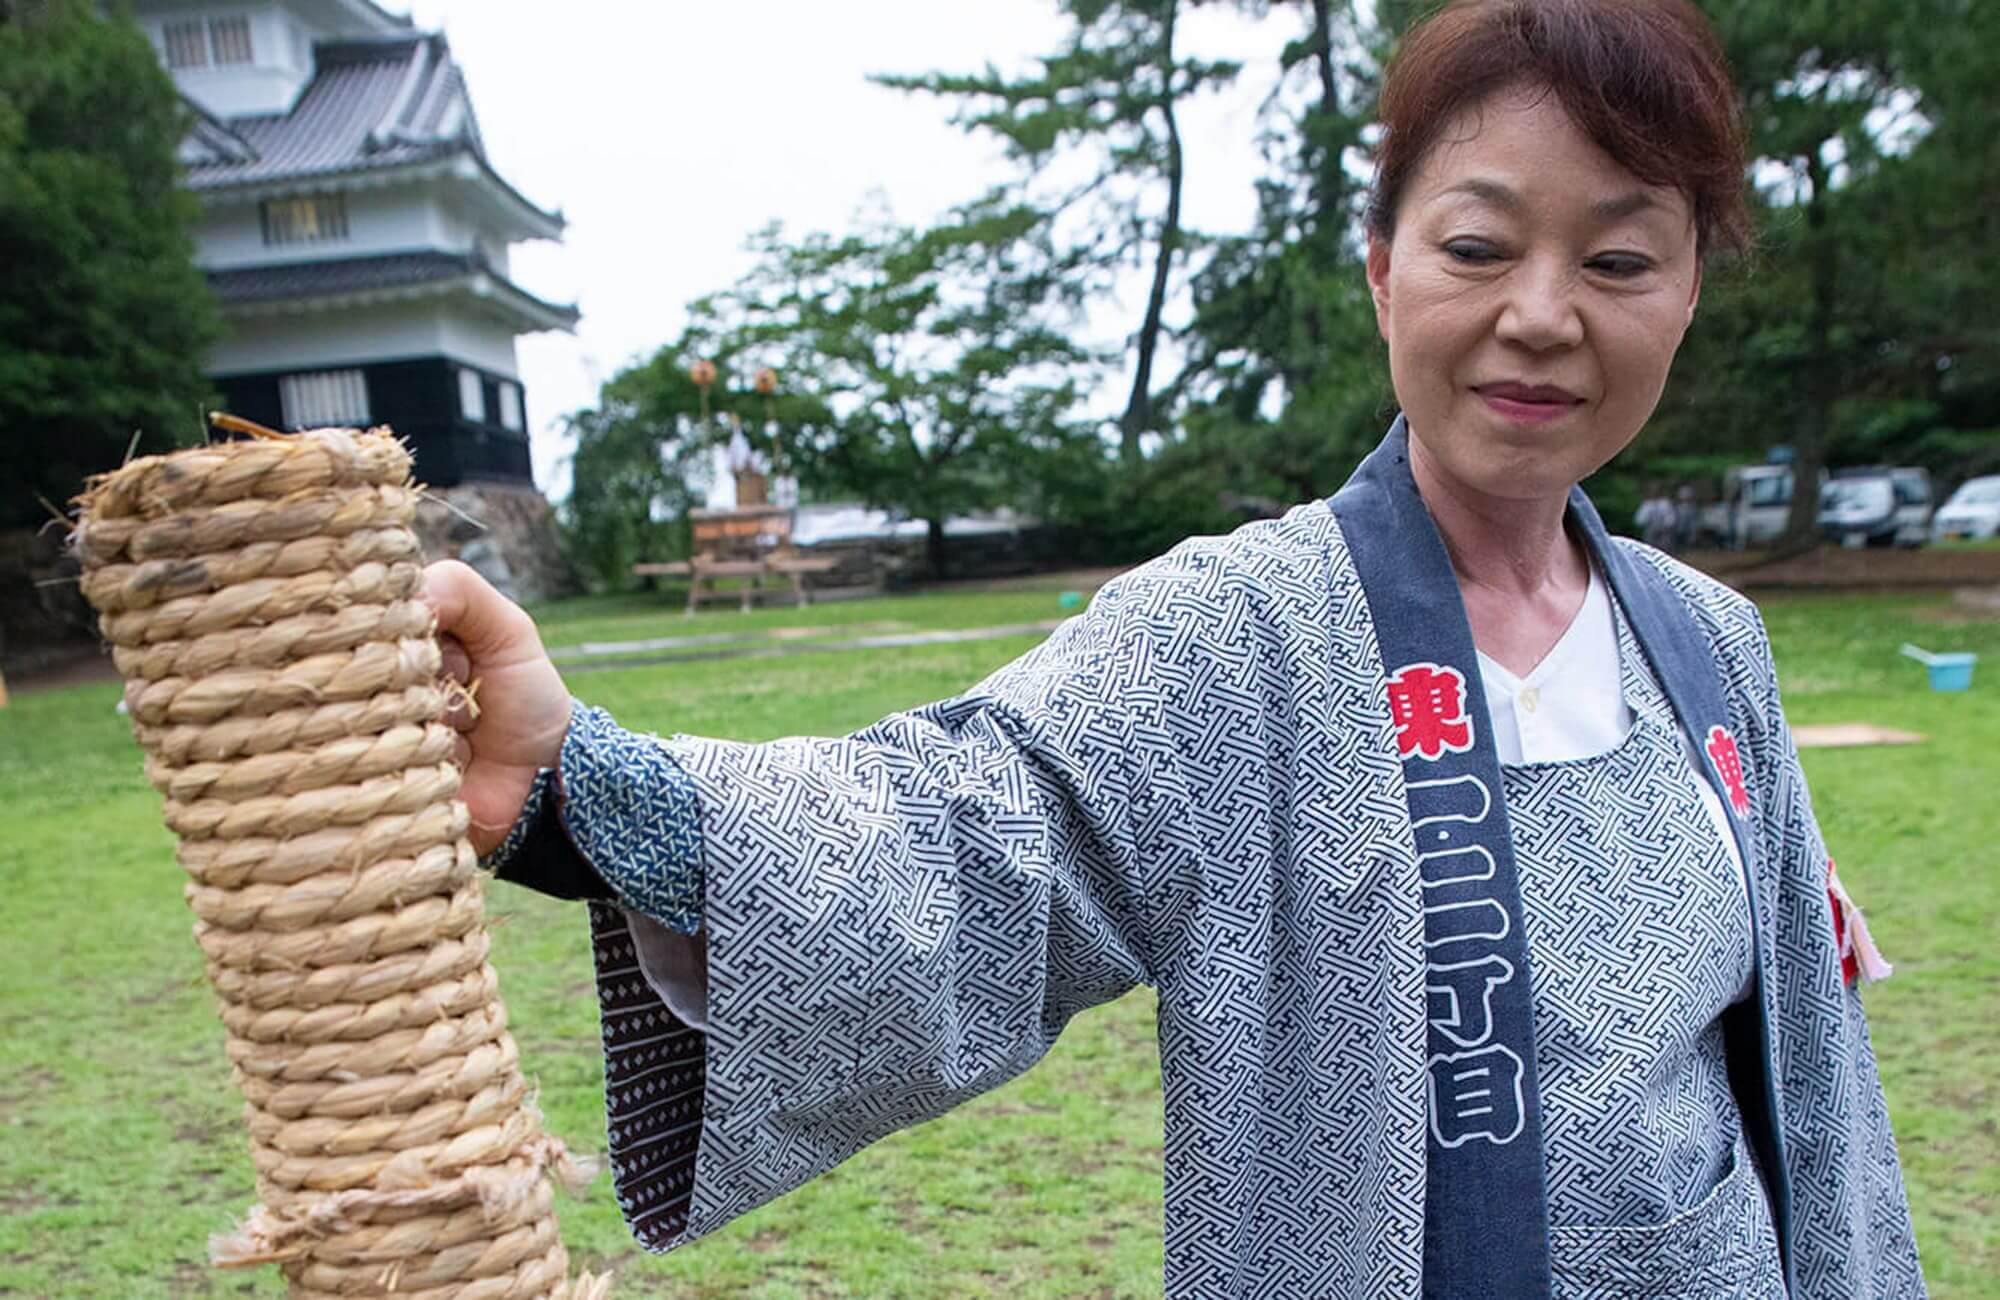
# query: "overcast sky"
668,132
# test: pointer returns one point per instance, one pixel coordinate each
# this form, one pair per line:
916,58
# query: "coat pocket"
1724,1248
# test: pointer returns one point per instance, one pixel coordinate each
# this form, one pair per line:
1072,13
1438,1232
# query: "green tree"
1932,389
1109,95
1285,385
925,375
105,317
637,464
1812,75
1861,328
918,372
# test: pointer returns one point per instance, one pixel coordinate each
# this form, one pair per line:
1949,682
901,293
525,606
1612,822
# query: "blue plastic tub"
1951,672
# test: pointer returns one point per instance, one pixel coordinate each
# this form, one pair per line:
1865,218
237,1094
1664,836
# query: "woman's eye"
1475,252
1621,266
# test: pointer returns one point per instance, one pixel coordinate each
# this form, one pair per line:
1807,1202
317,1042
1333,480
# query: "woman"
1466,848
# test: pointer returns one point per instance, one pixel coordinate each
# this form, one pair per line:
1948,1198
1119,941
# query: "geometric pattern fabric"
633,815
1723,1248
1639,935
1194,784
1850,1215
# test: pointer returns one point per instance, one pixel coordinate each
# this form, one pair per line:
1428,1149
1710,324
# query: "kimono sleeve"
895,921
1851,1233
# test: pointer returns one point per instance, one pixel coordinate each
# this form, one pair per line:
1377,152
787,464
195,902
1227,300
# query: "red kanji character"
1427,704
1722,748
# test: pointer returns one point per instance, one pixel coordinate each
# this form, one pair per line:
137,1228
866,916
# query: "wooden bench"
754,543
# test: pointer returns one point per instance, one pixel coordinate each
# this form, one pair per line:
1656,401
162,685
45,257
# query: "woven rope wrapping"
261,601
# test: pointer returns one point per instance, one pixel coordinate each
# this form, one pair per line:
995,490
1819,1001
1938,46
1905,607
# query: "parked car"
1756,504
1876,506
1973,511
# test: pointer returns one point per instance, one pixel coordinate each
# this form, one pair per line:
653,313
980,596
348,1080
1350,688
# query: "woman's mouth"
1528,403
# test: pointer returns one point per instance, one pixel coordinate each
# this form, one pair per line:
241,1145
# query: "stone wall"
516,549
45,623
897,562
44,620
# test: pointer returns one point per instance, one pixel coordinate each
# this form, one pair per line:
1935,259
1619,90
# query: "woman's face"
1532,299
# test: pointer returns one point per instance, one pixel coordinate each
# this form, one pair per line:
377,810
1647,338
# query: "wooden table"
751,542
703,571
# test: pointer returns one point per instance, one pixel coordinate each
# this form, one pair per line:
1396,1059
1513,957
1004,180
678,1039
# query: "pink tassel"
1858,954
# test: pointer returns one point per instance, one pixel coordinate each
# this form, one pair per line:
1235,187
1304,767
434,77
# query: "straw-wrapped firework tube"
261,599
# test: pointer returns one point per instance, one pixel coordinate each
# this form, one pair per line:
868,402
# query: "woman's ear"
1378,281
1694,291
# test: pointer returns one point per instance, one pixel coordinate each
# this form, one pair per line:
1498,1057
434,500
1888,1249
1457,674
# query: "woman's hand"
522,706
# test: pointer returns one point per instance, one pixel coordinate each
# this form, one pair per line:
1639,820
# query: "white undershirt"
1572,704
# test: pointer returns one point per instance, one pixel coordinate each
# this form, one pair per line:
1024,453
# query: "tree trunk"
1329,182
1326,225
1138,417
934,558
1822,379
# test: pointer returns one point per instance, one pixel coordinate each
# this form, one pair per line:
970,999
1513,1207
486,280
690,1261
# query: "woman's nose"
1540,310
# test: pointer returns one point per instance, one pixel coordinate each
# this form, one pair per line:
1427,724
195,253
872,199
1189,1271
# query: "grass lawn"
121,1148
639,616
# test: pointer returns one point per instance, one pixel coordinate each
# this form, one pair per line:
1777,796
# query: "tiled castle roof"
303,282
371,105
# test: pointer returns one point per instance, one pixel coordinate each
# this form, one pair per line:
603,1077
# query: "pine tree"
1109,95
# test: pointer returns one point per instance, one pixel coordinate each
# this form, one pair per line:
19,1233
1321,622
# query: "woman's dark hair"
1646,80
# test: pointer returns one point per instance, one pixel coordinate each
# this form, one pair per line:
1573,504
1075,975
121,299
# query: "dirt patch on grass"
1863,569
189,1278
80,666
593,1261
1062,580
26,1088
1876,568
1968,605
1005,1108
18,1202
189,1124
164,993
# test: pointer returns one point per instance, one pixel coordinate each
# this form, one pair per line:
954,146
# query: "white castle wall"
357,336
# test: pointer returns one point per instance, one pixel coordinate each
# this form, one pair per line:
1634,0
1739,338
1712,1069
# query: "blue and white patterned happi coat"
1194,784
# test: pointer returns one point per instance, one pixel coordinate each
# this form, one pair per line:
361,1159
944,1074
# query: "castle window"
232,39
510,407
471,396
324,398
311,220
187,44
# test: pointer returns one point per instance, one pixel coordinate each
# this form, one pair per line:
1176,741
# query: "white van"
1876,506
1915,504
1756,504
1973,511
